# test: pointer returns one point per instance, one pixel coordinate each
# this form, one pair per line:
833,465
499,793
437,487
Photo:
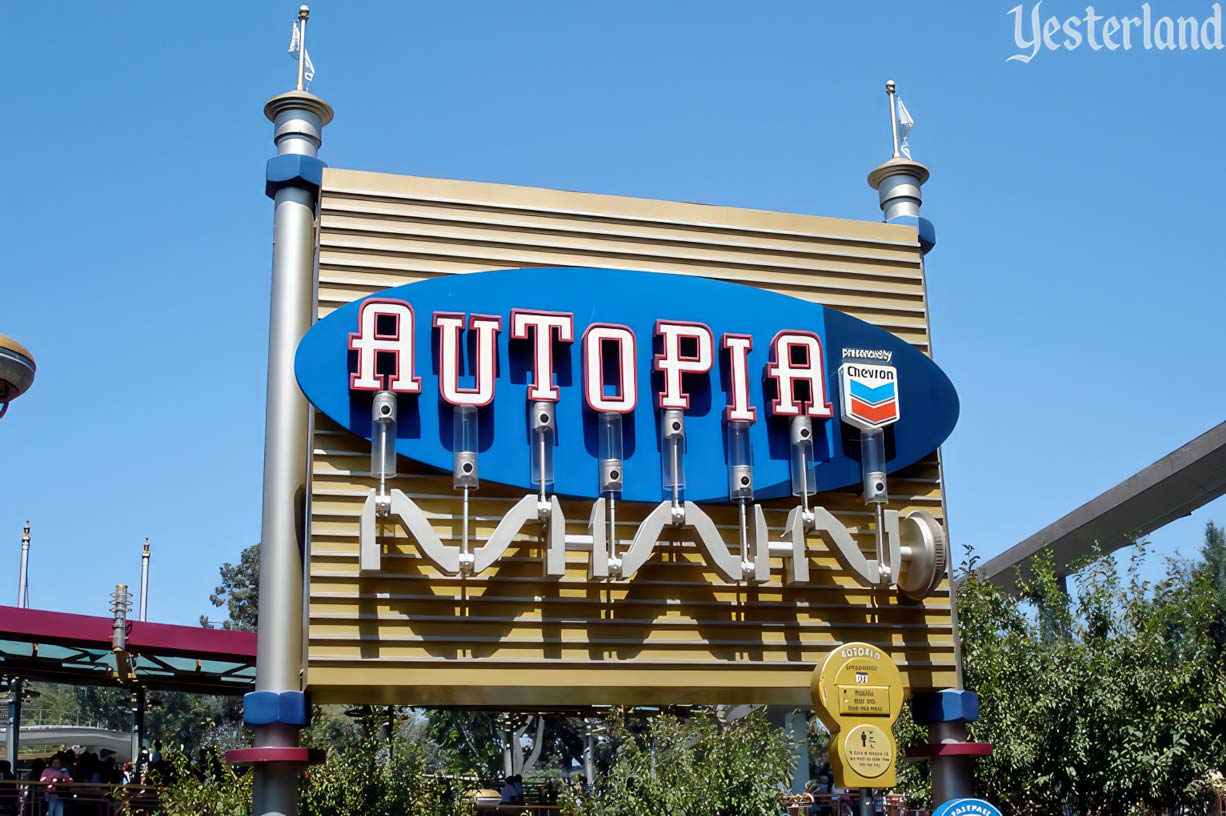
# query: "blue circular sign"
967,807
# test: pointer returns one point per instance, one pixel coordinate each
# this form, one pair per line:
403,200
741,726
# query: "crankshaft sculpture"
910,548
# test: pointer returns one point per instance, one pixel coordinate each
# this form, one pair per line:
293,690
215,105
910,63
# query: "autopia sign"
592,341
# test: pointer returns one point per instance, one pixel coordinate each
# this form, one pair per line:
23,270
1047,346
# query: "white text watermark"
1032,32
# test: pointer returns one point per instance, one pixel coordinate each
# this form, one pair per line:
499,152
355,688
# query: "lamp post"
16,376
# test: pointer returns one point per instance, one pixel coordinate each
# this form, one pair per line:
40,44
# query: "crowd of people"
80,765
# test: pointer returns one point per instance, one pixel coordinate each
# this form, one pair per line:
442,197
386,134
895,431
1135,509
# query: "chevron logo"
870,395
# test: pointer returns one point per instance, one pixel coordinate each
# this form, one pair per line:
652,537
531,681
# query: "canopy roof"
63,648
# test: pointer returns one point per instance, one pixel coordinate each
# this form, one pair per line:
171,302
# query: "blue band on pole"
292,170
947,705
268,707
927,232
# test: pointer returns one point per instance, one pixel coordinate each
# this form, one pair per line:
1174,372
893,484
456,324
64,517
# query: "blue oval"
636,299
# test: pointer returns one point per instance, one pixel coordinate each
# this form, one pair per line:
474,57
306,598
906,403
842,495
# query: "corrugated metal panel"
677,632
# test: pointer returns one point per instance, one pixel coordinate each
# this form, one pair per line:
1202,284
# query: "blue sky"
1077,285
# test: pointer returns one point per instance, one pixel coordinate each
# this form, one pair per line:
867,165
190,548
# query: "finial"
25,534
147,537
298,49
889,92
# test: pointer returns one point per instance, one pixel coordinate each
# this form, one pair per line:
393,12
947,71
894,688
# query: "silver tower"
899,184
293,180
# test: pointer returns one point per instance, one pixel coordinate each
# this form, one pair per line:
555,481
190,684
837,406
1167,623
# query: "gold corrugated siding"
675,633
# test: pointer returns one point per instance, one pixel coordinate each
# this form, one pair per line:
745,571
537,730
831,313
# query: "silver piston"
875,491
542,415
800,431
740,482
673,424
464,470
611,476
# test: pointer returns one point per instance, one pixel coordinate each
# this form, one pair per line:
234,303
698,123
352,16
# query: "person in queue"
53,775
507,795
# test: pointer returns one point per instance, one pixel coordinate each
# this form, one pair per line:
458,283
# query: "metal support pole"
23,580
120,604
889,89
17,686
138,722
589,746
508,734
12,741
144,581
951,775
303,13
298,120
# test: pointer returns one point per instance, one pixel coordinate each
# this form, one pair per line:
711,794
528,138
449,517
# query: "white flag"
308,70
905,123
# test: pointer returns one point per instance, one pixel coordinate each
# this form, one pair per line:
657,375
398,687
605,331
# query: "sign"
546,623
858,694
870,395
967,807
593,341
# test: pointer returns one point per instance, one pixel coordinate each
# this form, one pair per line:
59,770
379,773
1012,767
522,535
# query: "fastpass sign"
594,341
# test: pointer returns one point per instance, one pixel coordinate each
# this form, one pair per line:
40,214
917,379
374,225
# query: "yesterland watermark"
1032,32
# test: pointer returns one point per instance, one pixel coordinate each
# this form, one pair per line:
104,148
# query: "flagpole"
889,91
303,13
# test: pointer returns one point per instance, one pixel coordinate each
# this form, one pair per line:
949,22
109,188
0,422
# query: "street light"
16,371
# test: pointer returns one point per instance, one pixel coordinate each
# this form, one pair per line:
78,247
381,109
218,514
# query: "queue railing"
23,797
839,804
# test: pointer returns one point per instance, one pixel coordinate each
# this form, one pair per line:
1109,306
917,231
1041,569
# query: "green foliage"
183,721
98,706
1213,570
239,592
469,742
1114,703
219,790
692,767
914,779
368,776
363,776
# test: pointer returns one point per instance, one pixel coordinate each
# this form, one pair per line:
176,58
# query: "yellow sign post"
858,694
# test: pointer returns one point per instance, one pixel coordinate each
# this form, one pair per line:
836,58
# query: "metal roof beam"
1170,488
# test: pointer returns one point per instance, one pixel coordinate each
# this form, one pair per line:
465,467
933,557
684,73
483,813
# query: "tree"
362,776
698,766
239,592
218,790
369,776
1213,556
1112,703
470,742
